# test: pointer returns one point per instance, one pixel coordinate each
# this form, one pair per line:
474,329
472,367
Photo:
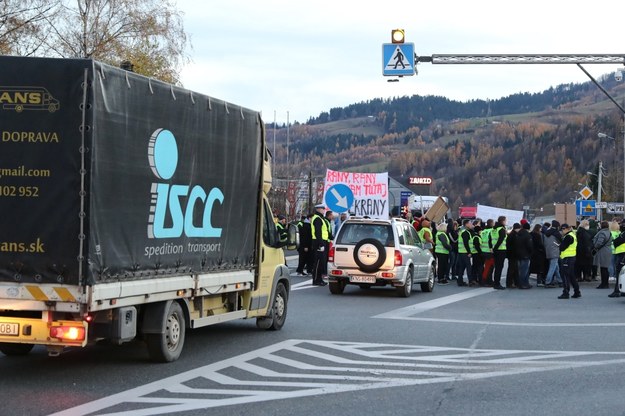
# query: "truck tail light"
398,258
331,253
68,333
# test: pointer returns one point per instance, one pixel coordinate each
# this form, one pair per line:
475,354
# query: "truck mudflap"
43,332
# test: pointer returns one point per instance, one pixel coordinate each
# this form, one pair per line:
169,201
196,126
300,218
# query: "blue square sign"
585,208
398,59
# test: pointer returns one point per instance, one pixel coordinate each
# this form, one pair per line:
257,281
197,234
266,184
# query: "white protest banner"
485,212
370,192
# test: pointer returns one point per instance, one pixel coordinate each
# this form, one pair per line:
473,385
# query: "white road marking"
300,368
503,323
407,314
307,284
432,304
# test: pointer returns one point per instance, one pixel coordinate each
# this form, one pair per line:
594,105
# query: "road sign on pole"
398,59
586,192
585,208
339,198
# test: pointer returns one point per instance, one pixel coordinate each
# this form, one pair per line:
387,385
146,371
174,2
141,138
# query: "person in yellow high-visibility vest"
498,239
320,237
619,253
568,251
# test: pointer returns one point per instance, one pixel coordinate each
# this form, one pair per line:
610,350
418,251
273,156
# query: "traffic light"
397,36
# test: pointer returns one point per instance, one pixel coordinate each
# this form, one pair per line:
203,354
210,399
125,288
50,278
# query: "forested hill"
524,149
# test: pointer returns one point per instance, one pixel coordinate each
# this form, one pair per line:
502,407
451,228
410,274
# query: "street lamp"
605,136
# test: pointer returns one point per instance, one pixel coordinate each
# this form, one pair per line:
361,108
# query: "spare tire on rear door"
369,255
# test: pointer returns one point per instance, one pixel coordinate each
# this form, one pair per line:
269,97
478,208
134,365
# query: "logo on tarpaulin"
20,99
166,198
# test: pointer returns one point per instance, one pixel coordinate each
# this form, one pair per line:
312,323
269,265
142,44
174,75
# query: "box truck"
135,209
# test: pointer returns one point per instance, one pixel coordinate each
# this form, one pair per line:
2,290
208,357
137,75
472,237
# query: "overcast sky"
306,57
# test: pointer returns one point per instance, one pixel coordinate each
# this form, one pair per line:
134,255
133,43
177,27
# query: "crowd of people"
559,255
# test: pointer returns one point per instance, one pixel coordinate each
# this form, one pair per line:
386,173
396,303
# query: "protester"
568,250
619,252
551,242
452,233
487,253
524,249
583,257
602,250
512,277
498,239
538,260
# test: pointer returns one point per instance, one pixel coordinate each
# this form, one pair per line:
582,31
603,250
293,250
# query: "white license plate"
362,279
9,328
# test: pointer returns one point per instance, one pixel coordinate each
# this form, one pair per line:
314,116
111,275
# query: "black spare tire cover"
369,255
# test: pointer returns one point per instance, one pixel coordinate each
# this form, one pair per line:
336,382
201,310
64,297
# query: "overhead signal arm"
522,59
579,59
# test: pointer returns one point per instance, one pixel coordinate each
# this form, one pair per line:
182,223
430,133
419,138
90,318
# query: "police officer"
568,251
320,237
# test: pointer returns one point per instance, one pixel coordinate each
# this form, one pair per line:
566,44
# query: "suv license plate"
9,328
362,279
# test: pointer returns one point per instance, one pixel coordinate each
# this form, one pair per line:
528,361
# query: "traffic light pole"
525,59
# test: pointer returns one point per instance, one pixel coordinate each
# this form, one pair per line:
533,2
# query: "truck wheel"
336,288
405,290
277,313
15,349
166,347
429,285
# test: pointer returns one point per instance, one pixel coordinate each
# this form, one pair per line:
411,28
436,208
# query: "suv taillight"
331,253
398,258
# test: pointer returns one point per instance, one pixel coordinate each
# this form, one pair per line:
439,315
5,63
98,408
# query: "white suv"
372,252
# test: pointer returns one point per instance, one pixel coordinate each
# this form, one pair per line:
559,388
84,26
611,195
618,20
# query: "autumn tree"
19,23
148,33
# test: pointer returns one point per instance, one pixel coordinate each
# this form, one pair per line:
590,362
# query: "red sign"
468,212
420,180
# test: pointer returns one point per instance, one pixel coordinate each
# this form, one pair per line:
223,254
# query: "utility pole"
599,190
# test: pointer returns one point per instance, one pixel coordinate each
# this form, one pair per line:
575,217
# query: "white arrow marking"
341,200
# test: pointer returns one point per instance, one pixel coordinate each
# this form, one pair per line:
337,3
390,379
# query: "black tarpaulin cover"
170,184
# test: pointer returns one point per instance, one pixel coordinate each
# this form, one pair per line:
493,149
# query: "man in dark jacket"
305,247
524,249
512,277
583,258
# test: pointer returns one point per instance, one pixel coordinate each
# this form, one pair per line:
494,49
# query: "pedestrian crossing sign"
398,59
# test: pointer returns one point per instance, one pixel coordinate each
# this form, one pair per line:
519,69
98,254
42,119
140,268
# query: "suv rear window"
352,233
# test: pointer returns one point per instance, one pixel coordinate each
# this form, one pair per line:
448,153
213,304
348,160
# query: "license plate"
362,279
9,328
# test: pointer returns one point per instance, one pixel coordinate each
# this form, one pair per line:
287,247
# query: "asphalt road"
455,351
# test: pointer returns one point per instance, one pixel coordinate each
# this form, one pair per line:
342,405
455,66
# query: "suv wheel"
429,285
336,288
369,255
405,290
